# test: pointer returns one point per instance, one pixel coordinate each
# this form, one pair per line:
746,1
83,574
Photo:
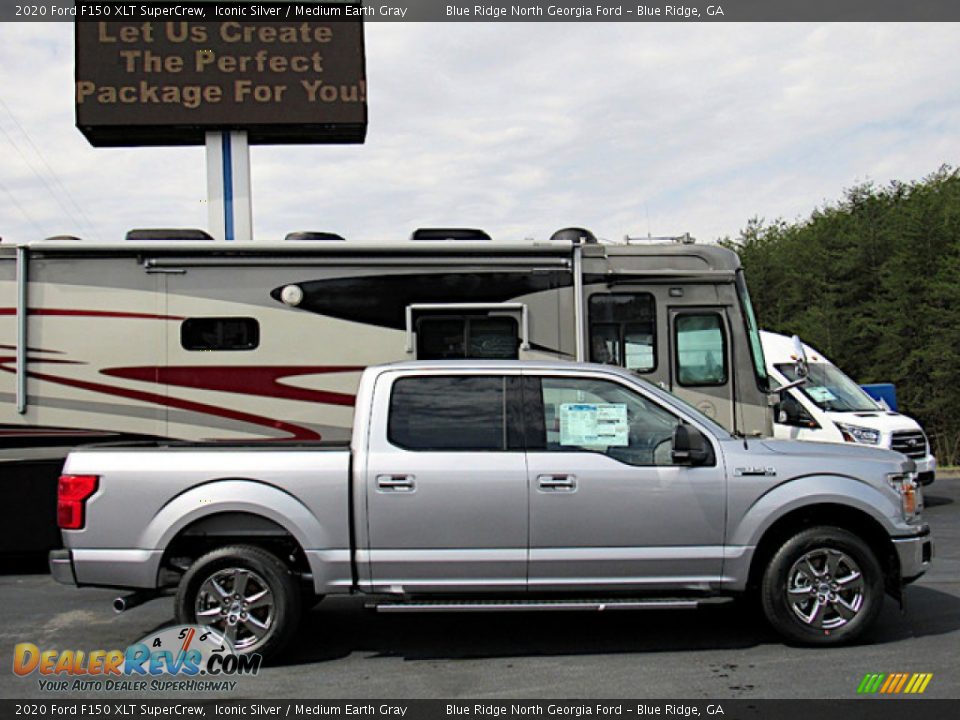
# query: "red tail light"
72,494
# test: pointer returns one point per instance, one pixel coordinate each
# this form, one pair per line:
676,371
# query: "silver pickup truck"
499,486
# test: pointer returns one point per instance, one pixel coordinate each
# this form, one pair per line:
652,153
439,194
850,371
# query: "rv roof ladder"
578,300
23,265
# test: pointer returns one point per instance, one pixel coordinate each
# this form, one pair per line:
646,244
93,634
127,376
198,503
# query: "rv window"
623,330
225,333
753,332
701,350
475,338
448,413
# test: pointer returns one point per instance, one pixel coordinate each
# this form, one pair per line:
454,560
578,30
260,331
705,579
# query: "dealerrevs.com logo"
182,658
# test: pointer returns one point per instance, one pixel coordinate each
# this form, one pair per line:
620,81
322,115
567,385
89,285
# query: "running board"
524,605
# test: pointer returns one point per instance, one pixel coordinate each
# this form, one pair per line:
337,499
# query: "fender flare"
236,495
809,490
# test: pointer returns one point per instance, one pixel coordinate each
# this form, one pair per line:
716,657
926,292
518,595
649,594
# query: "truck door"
701,361
446,485
609,509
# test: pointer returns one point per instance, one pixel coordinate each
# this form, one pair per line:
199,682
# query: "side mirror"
787,411
800,354
790,412
690,447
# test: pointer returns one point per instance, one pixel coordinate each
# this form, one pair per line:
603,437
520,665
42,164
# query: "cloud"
523,128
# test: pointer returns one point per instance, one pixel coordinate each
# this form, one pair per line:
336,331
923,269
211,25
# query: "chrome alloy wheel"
825,589
238,603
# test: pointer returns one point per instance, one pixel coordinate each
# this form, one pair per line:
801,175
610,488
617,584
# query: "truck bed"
152,491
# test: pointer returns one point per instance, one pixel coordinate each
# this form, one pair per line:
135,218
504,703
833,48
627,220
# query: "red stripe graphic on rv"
296,432
67,312
245,380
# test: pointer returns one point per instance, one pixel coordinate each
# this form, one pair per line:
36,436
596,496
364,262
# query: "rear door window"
446,412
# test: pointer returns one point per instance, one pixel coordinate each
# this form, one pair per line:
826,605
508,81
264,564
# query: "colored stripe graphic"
296,432
63,312
871,683
900,683
894,683
265,380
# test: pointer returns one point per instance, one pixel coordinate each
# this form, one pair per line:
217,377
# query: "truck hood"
827,452
882,420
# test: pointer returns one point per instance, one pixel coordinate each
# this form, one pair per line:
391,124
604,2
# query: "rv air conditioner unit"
449,234
313,235
575,234
168,234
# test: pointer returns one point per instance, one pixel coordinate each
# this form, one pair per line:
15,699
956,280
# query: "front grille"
912,443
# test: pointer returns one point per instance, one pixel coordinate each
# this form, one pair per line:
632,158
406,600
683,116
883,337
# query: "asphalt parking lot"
724,653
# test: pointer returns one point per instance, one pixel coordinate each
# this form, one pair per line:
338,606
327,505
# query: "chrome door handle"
559,483
395,483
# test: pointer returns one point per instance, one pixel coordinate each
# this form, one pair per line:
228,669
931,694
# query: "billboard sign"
168,83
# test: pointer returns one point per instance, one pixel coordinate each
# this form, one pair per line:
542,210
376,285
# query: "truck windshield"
753,332
830,389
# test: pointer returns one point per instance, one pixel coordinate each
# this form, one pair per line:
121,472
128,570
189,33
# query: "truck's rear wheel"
823,587
245,593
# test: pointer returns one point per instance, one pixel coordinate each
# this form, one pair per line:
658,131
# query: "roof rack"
449,234
685,239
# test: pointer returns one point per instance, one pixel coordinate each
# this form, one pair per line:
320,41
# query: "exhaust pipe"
125,602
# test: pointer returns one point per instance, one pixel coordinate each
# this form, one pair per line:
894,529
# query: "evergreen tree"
873,282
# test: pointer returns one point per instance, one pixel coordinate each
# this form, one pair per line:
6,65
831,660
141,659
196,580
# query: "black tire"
830,608
265,628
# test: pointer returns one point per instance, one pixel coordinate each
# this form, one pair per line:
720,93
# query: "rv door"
701,361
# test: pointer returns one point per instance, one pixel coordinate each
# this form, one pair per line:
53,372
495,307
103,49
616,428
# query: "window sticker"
820,394
594,424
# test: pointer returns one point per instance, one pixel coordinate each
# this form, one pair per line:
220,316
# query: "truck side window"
474,338
447,412
220,333
701,350
623,330
585,414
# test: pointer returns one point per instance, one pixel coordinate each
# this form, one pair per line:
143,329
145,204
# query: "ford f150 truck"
472,485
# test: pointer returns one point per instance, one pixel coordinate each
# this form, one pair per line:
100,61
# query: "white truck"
830,407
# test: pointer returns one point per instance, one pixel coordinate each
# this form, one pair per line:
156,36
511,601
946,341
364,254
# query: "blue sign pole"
230,209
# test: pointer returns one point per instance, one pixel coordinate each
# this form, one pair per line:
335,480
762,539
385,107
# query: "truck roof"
500,365
779,348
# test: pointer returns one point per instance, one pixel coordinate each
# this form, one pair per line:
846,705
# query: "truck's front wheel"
245,593
823,587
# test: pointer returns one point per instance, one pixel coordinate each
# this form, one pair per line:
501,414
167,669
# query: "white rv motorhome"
830,407
170,334
173,336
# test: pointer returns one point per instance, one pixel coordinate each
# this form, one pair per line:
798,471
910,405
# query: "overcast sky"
522,129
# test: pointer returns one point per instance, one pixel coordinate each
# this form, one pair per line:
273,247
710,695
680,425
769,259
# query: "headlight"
911,498
857,434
